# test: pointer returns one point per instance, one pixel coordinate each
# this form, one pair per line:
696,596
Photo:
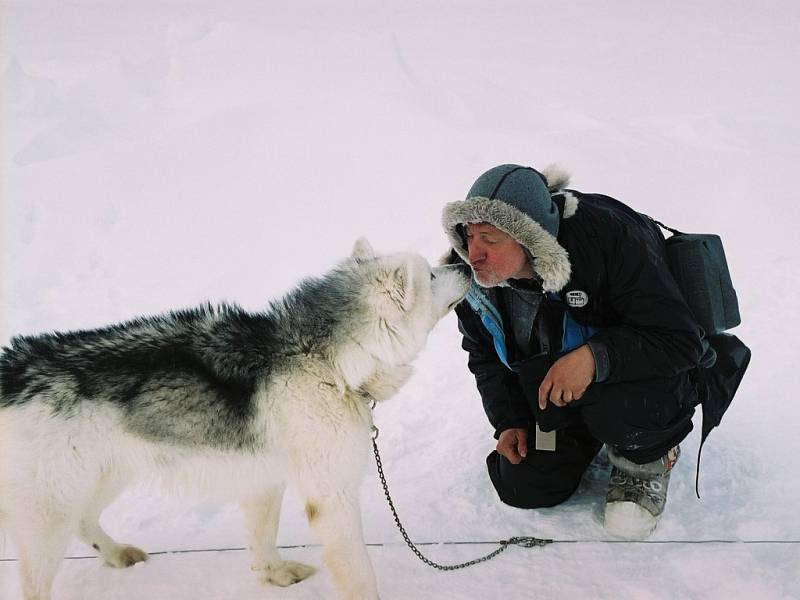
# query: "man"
578,336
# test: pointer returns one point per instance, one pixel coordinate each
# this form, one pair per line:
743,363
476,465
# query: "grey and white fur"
227,403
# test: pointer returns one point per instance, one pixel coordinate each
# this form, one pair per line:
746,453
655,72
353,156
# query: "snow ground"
156,155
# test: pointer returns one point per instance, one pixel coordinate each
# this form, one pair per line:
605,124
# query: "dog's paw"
125,556
286,573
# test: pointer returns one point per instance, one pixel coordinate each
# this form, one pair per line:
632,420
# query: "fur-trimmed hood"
550,260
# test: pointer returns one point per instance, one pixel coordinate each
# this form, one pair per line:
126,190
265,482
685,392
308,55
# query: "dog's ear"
362,249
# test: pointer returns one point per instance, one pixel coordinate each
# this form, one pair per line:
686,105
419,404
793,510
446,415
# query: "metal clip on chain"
527,542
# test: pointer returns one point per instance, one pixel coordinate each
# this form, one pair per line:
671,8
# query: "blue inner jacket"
573,334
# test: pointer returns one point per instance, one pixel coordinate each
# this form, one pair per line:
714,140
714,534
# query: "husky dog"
221,401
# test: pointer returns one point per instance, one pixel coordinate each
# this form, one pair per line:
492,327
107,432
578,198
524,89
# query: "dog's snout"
464,269
461,269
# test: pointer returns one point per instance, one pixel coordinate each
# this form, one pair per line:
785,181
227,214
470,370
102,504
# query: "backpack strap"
660,224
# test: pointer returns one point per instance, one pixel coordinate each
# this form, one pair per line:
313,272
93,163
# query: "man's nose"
476,251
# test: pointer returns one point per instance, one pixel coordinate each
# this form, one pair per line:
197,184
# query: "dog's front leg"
262,515
336,519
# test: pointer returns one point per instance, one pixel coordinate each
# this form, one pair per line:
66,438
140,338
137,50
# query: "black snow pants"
641,419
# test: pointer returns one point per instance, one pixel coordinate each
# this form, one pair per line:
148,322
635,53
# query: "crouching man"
578,336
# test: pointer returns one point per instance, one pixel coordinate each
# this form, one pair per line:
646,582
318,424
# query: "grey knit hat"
517,200
523,188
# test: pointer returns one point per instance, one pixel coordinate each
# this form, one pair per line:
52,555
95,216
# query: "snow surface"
156,155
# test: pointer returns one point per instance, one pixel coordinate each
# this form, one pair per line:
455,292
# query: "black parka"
624,289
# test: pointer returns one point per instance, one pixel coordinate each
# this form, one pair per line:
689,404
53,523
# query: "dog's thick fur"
221,401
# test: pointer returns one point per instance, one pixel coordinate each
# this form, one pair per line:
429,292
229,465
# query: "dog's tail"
2,516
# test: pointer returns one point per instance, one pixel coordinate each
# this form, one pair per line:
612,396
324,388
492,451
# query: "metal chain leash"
525,542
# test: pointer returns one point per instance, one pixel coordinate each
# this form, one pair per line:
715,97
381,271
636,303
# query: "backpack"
697,262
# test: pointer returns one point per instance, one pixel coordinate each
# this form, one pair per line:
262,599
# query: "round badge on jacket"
577,298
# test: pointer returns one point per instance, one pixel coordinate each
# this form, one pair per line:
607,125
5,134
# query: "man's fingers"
522,445
513,445
556,395
511,454
563,397
564,383
508,451
544,392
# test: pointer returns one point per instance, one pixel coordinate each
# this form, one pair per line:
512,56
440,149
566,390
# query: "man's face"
494,255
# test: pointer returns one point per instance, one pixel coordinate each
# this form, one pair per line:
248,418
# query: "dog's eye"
432,276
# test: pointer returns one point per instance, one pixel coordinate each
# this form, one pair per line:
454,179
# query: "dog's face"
406,297
449,285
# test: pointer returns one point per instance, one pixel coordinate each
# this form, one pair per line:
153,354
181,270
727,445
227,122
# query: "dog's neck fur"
355,364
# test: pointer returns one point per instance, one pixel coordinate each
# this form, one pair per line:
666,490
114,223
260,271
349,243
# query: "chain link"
525,542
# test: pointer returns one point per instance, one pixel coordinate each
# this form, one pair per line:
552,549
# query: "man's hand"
513,444
568,378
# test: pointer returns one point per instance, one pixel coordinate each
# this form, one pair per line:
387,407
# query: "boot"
637,494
